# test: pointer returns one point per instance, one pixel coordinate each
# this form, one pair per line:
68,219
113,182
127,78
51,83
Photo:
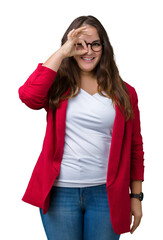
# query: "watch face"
141,196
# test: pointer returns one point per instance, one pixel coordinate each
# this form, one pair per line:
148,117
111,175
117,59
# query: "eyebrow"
97,40
94,41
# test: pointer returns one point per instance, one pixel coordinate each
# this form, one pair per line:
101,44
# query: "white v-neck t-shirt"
88,134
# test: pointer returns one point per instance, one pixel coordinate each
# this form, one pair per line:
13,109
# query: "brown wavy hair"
106,72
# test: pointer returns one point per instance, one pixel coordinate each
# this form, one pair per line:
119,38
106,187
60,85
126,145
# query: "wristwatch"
138,196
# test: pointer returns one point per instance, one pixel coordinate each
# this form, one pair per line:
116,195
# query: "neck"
88,81
87,75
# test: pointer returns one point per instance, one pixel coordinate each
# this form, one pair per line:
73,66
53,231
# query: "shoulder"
130,88
132,92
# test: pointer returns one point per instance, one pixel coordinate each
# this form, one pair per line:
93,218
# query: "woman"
92,154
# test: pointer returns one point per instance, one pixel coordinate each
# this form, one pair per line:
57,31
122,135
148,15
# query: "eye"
79,46
96,44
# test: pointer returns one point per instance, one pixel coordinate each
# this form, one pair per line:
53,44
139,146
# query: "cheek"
99,57
77,58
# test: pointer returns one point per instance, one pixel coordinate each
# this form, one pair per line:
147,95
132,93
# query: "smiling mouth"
86,59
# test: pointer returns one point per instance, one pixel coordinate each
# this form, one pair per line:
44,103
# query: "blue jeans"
78,214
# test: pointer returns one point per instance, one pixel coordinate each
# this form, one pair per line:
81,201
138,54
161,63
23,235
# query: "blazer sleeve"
35,90
137,153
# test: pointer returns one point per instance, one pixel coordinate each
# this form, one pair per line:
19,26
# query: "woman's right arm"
67,50
34,91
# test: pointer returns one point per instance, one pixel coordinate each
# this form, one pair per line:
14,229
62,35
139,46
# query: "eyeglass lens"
95,46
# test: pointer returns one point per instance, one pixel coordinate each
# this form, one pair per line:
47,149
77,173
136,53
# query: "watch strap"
138,196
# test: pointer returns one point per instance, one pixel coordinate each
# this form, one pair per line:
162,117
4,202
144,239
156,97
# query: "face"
89,61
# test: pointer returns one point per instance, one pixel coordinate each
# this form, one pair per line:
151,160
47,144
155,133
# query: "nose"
89,49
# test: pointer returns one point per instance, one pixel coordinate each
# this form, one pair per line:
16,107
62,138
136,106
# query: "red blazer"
126,159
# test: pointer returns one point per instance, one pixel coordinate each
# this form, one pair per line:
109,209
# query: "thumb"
81,52
130,217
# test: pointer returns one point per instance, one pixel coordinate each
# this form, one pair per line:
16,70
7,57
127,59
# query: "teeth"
88,59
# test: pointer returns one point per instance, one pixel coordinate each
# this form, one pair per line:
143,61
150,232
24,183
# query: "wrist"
60,54
139,196
64,51
136,186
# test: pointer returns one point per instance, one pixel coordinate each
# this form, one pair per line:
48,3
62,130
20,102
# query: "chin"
87,68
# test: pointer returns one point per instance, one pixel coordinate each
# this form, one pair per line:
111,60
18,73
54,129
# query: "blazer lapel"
60,128
116,145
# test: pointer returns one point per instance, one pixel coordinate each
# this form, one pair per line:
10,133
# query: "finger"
81,47
78,30
85,32
70,33
135,224
130,217
81,52
82,42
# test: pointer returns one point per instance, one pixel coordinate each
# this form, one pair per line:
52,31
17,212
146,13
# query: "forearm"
55,60
136,186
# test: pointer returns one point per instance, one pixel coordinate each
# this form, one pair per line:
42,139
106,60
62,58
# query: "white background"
30,32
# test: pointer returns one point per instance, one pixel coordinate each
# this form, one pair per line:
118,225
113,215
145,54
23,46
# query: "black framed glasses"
96,46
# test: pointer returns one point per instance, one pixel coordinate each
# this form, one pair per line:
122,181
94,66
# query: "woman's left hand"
136,211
